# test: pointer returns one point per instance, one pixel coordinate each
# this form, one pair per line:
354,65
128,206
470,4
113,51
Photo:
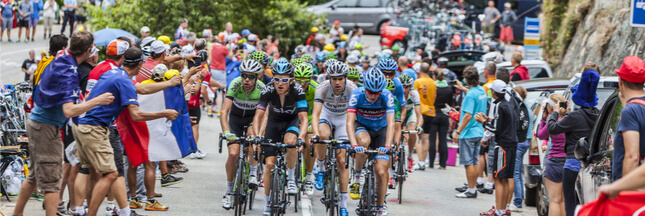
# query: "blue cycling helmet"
374,80
387,64
282,66
246,32
320,57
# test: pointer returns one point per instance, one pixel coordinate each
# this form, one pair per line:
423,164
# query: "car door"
599,172
343,11
368,14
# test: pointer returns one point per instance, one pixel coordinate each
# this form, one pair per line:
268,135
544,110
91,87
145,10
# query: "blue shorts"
553,170
469,151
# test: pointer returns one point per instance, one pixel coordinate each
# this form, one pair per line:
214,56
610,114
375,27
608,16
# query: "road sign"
532,38
637,13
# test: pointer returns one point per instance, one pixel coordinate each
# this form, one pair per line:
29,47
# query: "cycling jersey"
294,102
412,101
244,104
334,111
310,94
371,115
398,91
334,104
397,110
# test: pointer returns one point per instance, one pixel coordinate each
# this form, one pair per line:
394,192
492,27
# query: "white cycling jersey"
413,99
334,104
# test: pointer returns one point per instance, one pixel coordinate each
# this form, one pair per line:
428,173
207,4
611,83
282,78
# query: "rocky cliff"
603,35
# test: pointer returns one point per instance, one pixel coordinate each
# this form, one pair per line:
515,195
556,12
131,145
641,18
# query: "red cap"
632,70
336,22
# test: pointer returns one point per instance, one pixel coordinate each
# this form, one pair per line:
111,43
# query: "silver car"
367,14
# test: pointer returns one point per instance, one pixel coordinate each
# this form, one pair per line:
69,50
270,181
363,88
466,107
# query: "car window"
609,132
538,72
347,3
369,3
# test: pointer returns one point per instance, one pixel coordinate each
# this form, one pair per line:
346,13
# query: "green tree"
285,19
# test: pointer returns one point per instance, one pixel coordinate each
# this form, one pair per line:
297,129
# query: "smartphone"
452,83
563,104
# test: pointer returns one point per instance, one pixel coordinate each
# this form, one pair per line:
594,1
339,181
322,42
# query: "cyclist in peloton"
303,74
397,130
237,111
370,124
263,58
388,67
413,118
354,76
330,111
287,114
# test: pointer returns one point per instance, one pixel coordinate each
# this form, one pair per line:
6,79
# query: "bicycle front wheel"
332,199
401,172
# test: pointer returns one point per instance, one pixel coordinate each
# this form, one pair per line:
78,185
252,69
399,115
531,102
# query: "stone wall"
605,37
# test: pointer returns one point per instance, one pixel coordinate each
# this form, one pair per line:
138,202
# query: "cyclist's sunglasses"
372,93
249,76
303,80
388,73
284,80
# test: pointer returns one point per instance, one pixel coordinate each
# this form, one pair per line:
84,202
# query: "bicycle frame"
278,195
330,195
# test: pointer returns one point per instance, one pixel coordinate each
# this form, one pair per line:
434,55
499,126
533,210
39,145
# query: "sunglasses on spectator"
284,80
249,76
372,93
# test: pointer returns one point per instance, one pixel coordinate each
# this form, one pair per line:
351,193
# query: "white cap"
498,86
147,40
207,32
253,37
158,72
145,29
507,5
188,50
318,37
158,47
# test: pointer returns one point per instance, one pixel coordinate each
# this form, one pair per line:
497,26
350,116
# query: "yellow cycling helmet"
343,37
329,47
314,29
171,73
165,39
358,46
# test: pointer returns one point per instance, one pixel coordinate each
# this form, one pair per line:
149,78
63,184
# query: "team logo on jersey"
390,101
298,88
353,101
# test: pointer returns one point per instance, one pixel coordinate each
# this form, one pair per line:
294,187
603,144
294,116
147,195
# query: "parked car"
537,69
367,14
459,59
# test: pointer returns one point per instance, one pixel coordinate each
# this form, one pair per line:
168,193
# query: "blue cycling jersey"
371,115
398,91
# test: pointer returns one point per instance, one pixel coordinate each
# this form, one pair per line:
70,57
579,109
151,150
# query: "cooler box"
452,154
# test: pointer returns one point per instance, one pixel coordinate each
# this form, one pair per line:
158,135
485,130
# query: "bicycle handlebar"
332,142
409,132
278,145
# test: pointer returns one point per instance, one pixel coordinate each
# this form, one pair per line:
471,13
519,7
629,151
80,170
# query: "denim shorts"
553,170
469,151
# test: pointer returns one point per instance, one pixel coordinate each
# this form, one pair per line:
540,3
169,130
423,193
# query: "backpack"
523,115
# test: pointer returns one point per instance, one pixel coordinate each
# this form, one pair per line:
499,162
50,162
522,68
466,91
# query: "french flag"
160,139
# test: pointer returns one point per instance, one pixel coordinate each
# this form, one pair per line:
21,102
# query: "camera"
563,104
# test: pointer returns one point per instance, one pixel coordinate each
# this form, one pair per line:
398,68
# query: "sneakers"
320,176
490,212
210,113
480,185
253,182
410,164
198,155
292,189
133,213
136,203
381,212
309,188
420,167
227,201
10,41
390,184
514,208
485,190
462,189
354,191
168,180
111,211
466,194
155,206
26,41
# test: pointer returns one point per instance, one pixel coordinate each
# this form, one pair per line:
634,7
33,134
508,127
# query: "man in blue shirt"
629,146
91,130
69,17
7,19
470,132
370,124
403,65
54,102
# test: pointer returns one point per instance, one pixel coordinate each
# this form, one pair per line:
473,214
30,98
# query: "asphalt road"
430,192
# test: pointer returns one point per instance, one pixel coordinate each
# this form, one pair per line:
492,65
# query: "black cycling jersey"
294,102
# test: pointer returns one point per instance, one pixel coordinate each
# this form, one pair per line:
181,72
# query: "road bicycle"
400,165
367,203
278,196
331,196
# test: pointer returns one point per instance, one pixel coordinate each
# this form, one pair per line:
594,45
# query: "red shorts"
506,34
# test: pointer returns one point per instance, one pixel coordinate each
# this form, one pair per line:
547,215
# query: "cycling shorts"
335,121
274,131
410,119
377,136
236,124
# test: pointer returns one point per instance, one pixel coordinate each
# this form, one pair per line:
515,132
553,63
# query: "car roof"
461,53
543,84
524,62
